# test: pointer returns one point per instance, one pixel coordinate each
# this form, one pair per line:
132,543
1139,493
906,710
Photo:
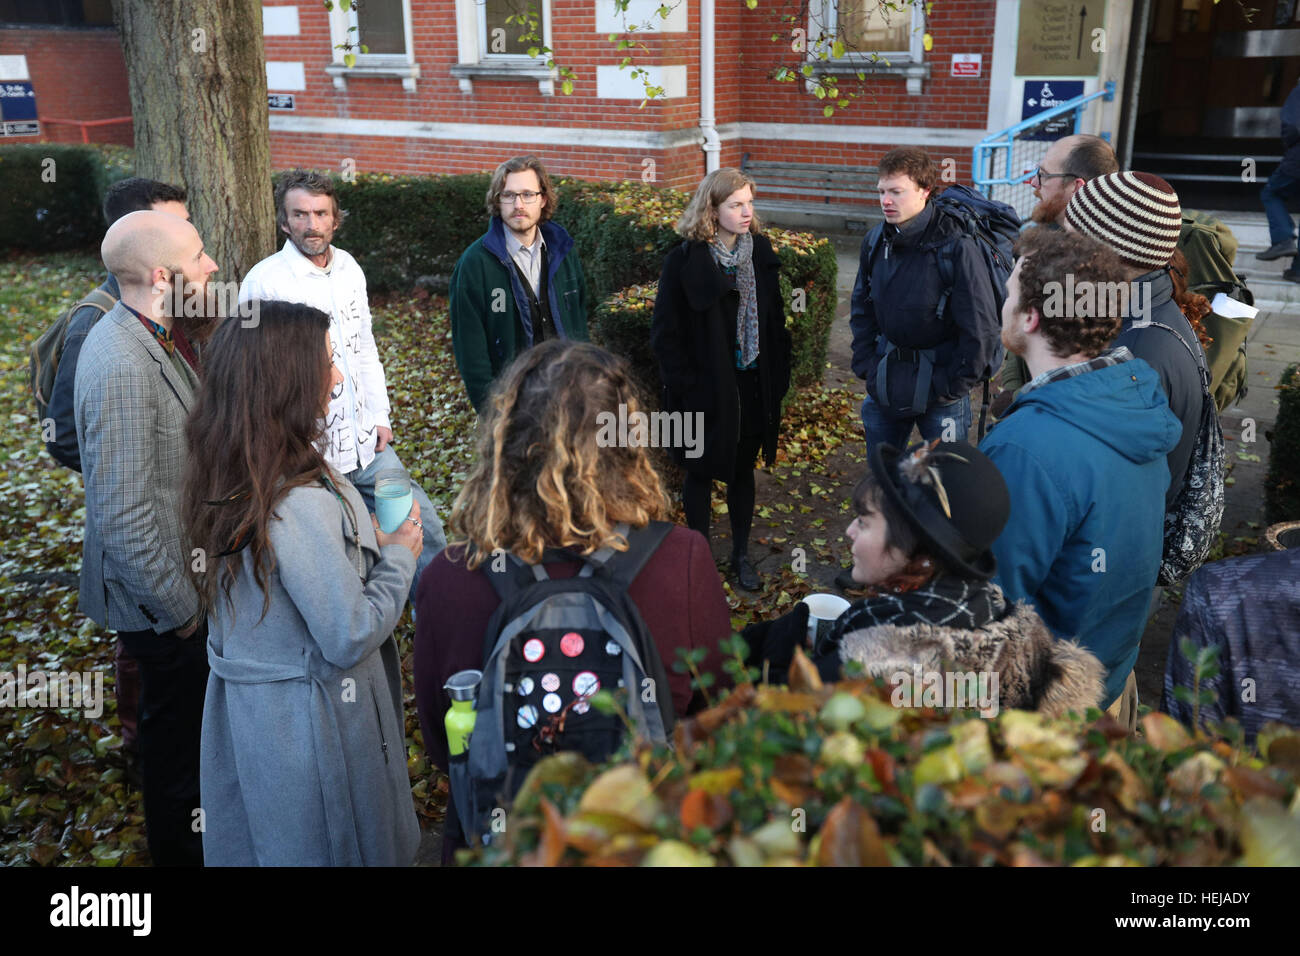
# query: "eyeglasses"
1039,176
529,197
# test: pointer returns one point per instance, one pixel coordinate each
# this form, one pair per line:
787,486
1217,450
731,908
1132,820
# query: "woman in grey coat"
303,759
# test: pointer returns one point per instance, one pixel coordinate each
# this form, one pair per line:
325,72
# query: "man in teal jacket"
520,284
1083,451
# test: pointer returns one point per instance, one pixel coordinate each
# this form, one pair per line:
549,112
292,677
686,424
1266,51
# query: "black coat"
694,340
898,295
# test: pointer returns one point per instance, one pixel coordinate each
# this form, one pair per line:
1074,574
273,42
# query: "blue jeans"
363,479
881,425
1276,192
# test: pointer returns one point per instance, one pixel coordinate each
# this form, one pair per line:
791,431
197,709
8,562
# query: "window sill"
408,73
466,73
913,73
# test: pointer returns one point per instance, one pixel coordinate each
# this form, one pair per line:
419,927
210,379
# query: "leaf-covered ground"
64,793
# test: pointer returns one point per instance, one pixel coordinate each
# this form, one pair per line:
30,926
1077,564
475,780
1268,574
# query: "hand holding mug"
409,534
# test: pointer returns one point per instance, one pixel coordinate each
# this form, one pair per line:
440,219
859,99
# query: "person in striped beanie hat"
1136,214
1139,216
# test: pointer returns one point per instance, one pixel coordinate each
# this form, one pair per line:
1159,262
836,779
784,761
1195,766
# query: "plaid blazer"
131,403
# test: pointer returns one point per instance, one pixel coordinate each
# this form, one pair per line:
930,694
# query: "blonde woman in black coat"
723,350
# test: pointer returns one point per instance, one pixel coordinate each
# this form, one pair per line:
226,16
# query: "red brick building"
68,56
452,99
447,87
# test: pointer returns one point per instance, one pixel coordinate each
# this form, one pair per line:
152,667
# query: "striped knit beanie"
1136,214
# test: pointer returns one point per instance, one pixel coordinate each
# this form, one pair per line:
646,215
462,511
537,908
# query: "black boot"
742,569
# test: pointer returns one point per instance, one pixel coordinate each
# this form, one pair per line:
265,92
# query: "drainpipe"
712,143
1133,82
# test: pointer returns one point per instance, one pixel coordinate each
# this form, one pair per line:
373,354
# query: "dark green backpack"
1211,250
48,349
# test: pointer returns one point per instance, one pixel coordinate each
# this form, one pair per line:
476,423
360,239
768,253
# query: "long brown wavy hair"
541,478
252,438
518,164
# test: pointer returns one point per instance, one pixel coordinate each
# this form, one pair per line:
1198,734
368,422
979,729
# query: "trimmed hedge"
623,232
1282,487
845,776
402,229
622,320
49,207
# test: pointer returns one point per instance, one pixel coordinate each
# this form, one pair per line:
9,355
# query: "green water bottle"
462,686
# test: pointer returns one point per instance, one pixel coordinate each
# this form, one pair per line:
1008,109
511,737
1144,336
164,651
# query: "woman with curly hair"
302,758
724,352
547,487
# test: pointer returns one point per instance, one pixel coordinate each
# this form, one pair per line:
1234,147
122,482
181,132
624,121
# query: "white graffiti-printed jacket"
360,405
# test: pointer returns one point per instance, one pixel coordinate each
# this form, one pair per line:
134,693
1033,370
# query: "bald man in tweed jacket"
135,385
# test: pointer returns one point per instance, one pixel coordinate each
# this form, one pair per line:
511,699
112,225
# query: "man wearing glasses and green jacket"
520,284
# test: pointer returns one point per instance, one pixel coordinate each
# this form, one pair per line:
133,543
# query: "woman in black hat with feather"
926,520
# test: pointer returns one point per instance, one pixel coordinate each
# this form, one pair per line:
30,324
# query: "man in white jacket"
307,269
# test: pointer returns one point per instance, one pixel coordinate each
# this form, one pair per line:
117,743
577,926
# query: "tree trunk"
197,74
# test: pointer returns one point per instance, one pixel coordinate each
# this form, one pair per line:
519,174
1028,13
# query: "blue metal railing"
984,162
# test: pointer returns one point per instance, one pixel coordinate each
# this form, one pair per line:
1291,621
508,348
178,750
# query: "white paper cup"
823,610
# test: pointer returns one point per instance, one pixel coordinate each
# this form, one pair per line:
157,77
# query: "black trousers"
174,680
697,489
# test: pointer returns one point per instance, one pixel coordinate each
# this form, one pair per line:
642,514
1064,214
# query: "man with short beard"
134,389
309,270
1068,163
1083,451
519,284
124,196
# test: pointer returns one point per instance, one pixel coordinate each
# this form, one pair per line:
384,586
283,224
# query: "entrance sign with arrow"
1042,95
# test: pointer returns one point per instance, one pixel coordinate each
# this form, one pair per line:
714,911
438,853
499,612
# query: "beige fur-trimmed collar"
1036,671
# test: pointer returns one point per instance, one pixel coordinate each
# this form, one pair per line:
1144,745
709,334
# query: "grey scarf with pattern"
742,260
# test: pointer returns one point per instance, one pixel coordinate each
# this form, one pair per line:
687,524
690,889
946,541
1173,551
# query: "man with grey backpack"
926,304
1139,216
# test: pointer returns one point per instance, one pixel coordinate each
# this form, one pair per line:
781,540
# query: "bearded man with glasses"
519,284
1068,163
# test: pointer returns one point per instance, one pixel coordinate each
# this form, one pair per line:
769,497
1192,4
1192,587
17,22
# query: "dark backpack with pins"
994,226
550,645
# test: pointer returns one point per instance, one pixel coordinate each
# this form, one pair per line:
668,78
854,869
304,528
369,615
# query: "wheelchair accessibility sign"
1043,95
